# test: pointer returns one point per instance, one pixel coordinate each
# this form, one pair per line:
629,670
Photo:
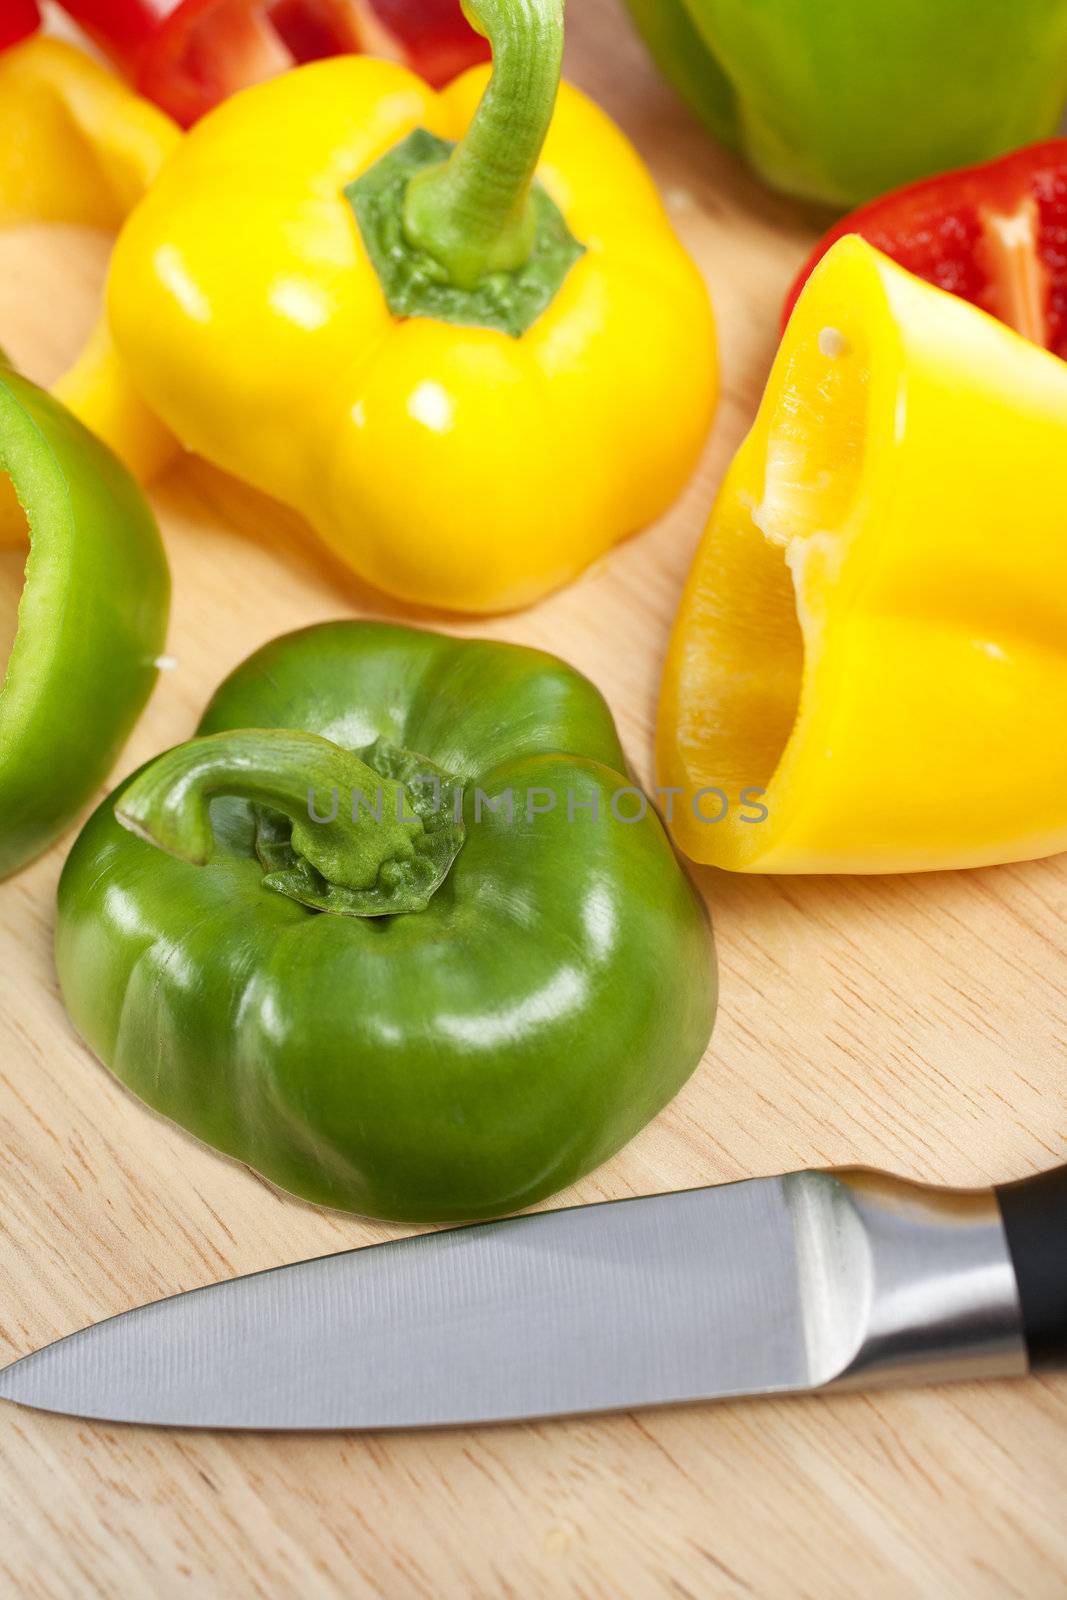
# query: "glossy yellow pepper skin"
874,633
453,466
77,146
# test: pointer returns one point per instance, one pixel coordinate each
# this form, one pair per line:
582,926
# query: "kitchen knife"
816,1280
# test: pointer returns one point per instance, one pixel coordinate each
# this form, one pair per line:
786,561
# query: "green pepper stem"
348,821
473,213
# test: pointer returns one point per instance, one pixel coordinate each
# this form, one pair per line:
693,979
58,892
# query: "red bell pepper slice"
995,234
188,55
122,29
433,35
18,19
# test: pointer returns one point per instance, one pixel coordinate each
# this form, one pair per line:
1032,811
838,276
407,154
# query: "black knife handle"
1035,1221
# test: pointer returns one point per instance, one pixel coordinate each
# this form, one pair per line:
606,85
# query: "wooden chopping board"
918,1024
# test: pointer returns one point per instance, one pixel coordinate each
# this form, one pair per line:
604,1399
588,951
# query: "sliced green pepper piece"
445,1013
92,618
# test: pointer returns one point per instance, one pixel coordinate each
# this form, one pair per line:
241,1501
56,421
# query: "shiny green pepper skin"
839,100
92,618
455,1061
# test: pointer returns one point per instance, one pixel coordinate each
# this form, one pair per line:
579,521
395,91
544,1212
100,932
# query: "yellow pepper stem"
474,212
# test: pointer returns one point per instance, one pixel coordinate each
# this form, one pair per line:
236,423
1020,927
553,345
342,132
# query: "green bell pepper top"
92,618
443,1014
840,100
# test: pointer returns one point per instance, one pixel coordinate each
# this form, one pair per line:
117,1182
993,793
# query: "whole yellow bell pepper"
77,146
470,382
869,668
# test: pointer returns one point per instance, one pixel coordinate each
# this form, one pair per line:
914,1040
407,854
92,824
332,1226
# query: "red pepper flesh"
207,50
188,55
120,28
18,19
434,36
995,234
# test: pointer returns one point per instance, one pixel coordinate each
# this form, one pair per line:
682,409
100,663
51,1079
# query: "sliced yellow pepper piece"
874,633
77,146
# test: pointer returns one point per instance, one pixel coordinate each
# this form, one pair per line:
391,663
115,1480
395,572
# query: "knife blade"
814,1280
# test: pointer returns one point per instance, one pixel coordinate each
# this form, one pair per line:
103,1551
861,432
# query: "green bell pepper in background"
840,100
92,618
445,1009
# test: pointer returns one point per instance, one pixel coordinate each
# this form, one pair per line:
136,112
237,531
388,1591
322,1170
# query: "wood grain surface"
916,1023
